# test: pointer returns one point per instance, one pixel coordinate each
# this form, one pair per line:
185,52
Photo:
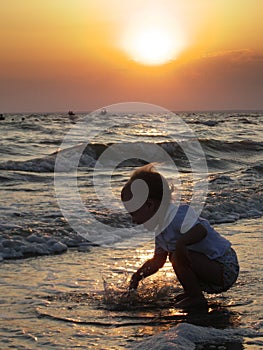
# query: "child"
201,258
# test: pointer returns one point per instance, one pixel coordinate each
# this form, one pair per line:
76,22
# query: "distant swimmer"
2,117
103,111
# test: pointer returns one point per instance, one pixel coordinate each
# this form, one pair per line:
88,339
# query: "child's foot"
192,302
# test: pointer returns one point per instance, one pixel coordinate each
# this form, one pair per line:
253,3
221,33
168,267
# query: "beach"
64,274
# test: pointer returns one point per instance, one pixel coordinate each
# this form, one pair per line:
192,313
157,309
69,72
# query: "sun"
152,43
153,46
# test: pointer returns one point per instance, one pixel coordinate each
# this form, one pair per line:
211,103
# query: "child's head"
146,192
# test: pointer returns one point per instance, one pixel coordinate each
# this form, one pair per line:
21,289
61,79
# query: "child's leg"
190,271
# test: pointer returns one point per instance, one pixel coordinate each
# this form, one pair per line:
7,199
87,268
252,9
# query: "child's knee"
175,260
180,261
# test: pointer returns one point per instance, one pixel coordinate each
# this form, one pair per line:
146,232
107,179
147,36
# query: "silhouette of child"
202,259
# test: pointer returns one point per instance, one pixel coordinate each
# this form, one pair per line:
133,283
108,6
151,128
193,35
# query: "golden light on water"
144,254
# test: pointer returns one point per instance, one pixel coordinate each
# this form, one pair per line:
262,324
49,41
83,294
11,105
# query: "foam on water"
186,336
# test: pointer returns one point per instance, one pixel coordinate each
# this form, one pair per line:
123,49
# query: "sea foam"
185,336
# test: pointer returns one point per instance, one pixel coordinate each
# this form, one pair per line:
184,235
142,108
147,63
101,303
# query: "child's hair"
157,185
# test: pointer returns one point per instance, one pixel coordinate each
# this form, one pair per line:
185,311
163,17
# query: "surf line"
154,322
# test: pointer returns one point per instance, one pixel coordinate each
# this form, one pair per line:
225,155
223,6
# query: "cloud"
241,55
228,65
221,80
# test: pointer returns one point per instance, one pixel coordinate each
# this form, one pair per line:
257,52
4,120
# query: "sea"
68,248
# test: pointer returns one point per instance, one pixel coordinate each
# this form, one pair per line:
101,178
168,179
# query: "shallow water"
232,144
77,300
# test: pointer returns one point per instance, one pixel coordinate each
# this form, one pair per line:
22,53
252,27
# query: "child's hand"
133,283
130,296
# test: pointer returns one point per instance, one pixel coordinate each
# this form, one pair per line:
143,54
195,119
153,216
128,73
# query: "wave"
232,146
212,122
216,151
186,336
235,173
257,167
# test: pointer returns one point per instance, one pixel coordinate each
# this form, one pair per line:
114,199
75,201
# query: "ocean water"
61,178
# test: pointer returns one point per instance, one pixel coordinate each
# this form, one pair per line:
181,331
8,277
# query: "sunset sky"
82,55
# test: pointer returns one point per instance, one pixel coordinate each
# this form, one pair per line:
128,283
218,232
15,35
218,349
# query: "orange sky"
58,55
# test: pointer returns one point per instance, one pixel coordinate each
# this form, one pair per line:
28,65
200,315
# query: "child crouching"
202,259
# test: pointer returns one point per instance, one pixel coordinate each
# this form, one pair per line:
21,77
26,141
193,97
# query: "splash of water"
151,295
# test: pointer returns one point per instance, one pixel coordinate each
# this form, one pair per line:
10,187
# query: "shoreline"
14,246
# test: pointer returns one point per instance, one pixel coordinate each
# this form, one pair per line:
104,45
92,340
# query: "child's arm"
148,268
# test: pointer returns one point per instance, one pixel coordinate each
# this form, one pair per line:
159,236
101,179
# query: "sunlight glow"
153,39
